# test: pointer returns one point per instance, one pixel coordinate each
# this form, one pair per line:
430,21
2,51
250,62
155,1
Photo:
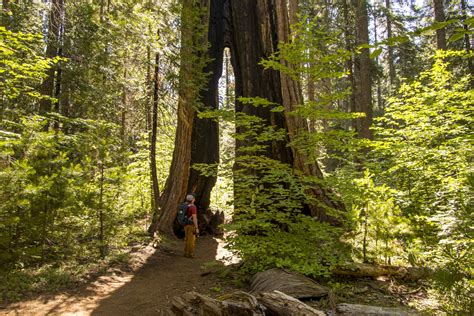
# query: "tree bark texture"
205,138
258,27
391,67
440,17
54,28
281,304
253,38
362,72
154,130
192,40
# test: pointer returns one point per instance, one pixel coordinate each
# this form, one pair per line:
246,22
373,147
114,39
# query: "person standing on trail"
190,230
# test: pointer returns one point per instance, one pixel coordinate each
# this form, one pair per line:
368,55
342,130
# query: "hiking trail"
158,276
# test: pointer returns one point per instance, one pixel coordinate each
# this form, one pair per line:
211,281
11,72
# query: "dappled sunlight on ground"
85,298
146,287
224,255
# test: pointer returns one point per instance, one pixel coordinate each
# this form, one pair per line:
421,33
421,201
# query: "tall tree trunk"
293,11
154,130
205,139
253,38
54,26
379,88
363,72
194,19
348,43
256,35
123,112
440,17
467,42
391,66
292,97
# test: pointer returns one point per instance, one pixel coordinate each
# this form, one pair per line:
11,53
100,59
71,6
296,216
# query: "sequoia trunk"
205,138
194,19
258,27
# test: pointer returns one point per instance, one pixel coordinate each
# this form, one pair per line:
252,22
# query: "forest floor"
155,274
144,287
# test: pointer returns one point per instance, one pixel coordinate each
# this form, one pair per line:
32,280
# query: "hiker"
191,228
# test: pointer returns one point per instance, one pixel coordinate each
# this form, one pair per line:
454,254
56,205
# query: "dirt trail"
164,274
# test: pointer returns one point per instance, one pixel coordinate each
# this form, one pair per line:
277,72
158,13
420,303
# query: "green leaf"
376,53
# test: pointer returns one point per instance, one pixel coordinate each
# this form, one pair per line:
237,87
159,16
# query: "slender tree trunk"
123,112
363,72
379,88
193,40
440,17
467,42
154,130
47,87
350,61
148,91
391,67
102,245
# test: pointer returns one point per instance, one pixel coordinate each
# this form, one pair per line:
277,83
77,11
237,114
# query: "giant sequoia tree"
194,19
252,30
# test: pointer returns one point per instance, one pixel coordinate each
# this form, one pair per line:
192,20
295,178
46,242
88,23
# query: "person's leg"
187,234
192,241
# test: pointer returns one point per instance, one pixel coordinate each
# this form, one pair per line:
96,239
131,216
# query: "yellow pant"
189,240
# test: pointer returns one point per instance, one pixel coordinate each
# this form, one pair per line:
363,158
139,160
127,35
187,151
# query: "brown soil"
160,274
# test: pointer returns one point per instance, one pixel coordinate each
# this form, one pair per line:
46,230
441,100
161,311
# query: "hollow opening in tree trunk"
223,191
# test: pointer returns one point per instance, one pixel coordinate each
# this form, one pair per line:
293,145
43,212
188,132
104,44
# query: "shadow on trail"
165,274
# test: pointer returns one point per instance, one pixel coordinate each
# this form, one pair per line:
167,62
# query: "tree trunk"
292,98
205,139
47,87
194,19
123,112
391,67
362,72
349,46
256,35
440,17
253,38
154,129
467,42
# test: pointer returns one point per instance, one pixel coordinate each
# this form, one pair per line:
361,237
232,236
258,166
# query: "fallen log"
369,270
366,310
193,303
279,304
290,283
